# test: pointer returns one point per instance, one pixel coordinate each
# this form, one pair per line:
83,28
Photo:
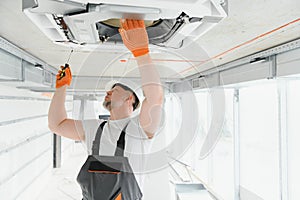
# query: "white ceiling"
252,25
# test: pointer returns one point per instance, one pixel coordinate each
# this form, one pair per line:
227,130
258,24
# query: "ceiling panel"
250,27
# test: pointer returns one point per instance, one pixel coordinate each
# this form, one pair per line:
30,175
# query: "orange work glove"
64,76
134,36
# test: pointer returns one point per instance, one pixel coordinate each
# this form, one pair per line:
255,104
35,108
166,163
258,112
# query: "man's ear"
129,97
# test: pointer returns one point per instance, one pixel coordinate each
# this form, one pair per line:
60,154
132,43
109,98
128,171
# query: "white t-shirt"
137,143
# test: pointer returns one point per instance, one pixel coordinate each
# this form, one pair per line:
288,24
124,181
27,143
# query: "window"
259,142
223,154
293,138
217,169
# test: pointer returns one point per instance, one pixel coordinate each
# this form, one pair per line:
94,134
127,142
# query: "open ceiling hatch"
171,24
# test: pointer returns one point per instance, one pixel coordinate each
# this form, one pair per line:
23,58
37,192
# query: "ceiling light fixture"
258,60
39,66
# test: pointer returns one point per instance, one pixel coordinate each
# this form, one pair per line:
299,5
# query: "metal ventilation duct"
69,22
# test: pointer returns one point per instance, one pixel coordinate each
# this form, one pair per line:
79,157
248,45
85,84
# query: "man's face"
115,97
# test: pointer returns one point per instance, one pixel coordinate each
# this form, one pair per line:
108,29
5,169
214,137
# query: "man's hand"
64,77
134,36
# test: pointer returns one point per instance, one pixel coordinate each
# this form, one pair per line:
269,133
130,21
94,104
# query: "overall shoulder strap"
121,143
96,142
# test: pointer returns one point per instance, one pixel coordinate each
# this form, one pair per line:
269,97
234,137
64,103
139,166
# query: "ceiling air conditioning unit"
169,23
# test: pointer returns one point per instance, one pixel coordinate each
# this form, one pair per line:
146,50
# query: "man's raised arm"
57,115
135,38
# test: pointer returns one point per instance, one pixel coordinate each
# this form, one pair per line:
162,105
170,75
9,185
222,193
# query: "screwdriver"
63,70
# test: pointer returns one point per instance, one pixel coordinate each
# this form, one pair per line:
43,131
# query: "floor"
62,184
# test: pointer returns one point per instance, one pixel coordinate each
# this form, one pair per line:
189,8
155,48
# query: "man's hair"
136,102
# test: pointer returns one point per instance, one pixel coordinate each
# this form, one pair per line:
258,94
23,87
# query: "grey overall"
106,177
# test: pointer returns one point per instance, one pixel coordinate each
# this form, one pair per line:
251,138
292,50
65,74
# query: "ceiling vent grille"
196,83
173,25
48,77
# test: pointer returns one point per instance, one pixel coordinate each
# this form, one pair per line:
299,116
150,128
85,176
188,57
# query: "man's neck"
116,114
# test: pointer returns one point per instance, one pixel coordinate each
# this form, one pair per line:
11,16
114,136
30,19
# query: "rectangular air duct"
11,67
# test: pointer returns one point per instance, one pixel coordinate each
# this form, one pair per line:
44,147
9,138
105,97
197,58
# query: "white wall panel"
18,109
30,173
25,140
26,144
27,163
13,134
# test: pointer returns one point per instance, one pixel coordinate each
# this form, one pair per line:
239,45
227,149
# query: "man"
120,101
